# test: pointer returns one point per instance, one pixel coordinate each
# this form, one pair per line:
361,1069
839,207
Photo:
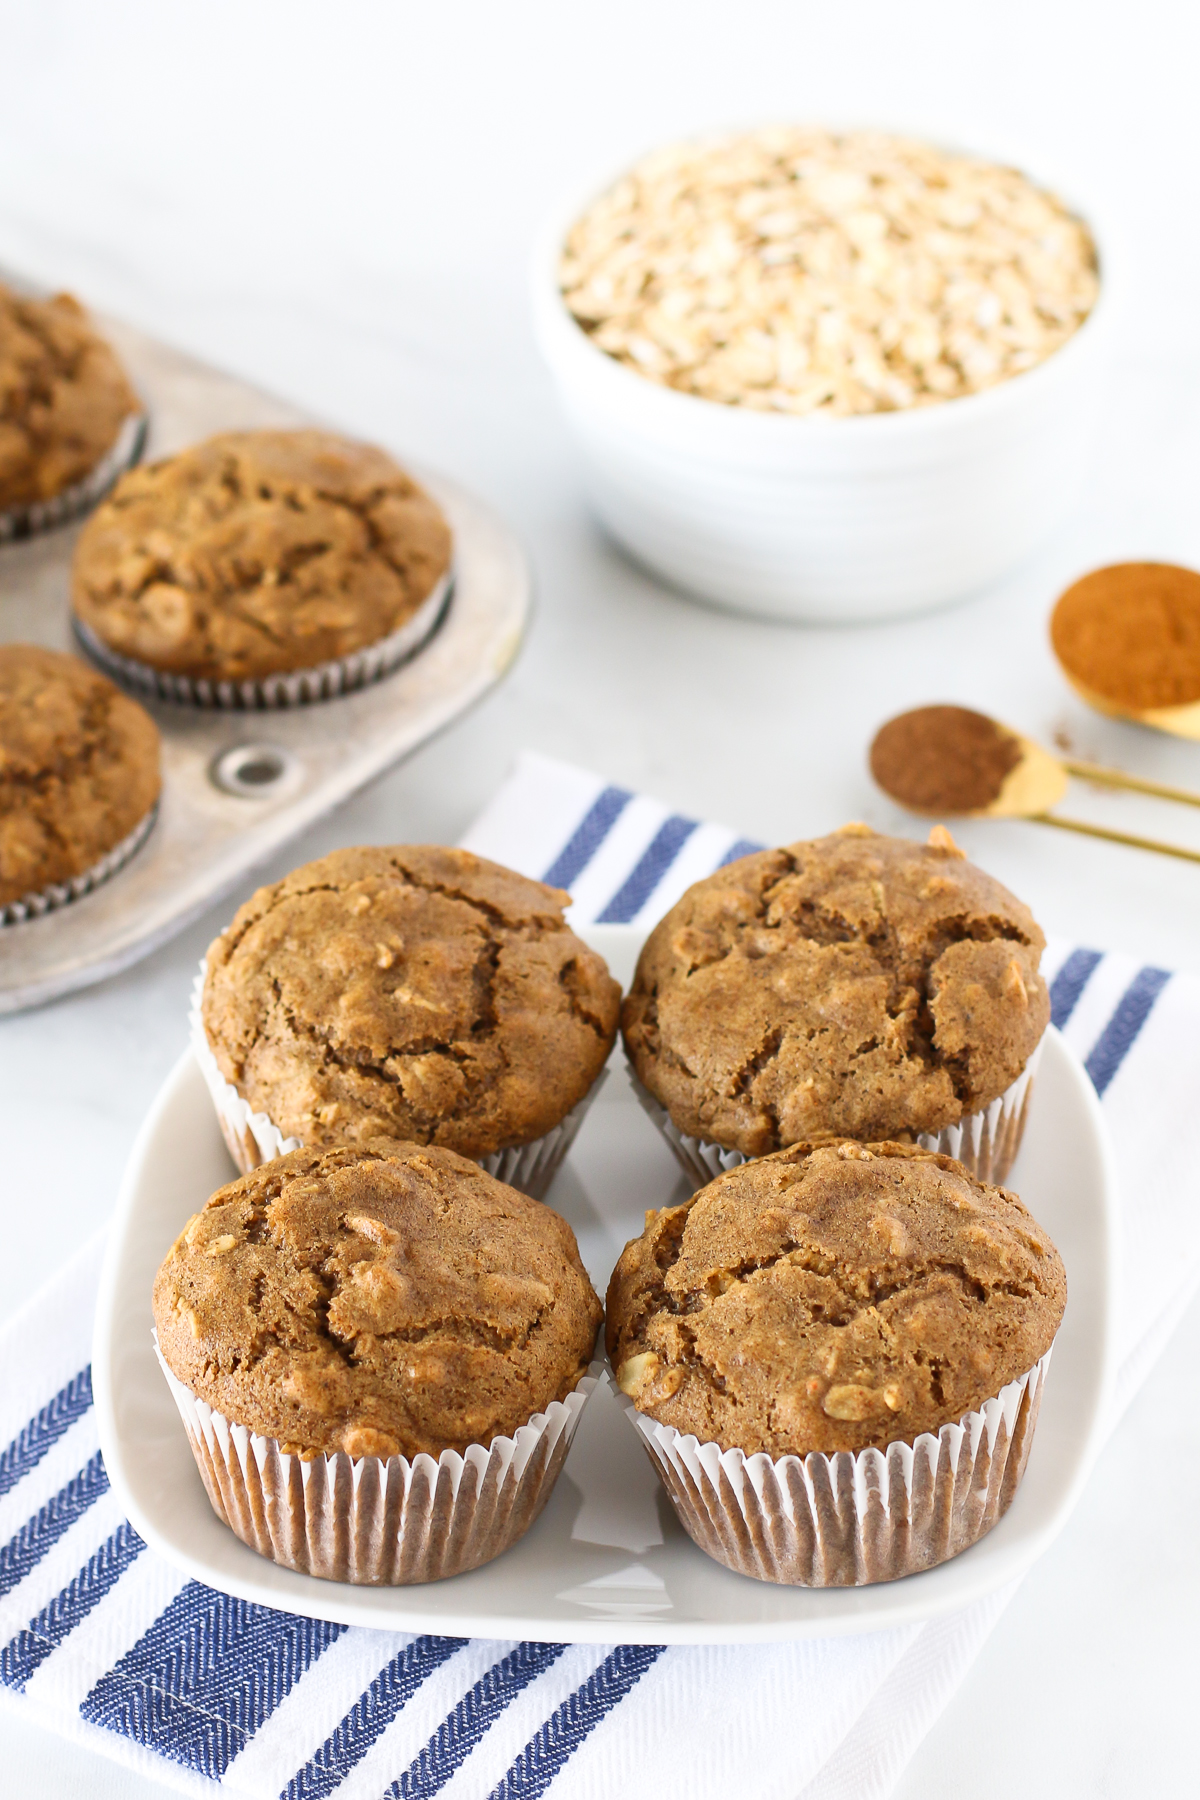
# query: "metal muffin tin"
238,784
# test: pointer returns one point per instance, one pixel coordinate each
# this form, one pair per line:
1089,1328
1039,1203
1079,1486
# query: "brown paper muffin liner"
380,1522
253,1139
848,1519
985,1142
61,893
42,515
300,687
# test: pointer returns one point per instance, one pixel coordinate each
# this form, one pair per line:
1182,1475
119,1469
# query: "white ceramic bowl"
827,520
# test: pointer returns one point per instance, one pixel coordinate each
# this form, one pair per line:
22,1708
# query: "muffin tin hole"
255,771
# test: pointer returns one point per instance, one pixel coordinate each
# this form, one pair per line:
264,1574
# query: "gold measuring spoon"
1127,638
947,761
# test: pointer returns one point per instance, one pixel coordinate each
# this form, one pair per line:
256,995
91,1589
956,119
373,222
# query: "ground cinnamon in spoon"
943,759
1131,633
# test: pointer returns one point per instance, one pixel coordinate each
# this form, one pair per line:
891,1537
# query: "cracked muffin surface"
383,1299
855,985
257,553
79,768
63,397
412,992
831,1297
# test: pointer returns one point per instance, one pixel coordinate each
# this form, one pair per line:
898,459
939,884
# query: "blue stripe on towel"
370,1715
559,1738
33,1440
648,871
587,837
40,1534
1133,1009
201,1681
735,852
475,1713
26,1653
1070,982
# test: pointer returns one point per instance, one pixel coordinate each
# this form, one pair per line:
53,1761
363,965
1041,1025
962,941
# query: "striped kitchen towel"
102,1641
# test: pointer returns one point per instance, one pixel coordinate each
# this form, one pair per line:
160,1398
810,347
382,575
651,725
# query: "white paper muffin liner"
35,516
850,1518
299,687
253,1139
375,1521
61,893
985,1142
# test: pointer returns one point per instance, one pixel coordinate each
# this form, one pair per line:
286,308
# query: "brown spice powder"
943,759
1131,633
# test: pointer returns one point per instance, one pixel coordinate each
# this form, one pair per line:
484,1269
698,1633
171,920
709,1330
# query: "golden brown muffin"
832,1297
257,553
78,768
63,397
380,1299
857,985
418,993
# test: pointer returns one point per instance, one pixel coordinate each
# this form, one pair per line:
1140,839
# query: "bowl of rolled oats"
827,376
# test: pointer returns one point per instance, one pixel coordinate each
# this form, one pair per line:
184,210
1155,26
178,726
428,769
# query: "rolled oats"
799,271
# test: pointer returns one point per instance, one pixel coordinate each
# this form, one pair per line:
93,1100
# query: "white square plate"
607,1559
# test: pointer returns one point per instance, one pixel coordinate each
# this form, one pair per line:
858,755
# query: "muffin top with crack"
63,397
410,992
857,985
257,553
382,1299
79,768
832,1297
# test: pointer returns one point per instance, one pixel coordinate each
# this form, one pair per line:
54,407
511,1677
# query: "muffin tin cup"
61,893
985,1142
299,687
375,1521
35,516
254,1139
850,1518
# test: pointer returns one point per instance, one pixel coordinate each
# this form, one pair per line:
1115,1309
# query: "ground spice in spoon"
1131,633
943,759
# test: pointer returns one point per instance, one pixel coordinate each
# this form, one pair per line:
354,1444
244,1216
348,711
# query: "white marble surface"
338,202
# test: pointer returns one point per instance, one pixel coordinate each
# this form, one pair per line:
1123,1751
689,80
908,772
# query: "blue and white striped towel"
105,1643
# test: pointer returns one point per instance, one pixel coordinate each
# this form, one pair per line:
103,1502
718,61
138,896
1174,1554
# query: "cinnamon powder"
943,759
1131,633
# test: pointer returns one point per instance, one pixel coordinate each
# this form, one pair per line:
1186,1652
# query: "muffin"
859,986
873,1320
418,993
68,416
380,1354
79,779
261,568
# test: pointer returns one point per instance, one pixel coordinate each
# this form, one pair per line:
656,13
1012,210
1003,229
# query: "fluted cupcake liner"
61,893
35,516
850,1518
254,1139
985,1142
376,1521
299,687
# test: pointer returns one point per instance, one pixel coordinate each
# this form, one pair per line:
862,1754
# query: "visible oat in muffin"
63,397
831,1297
415,992
858,984
258,553
79,768
383,1299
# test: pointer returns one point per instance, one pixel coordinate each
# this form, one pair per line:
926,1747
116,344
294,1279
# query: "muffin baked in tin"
69,419
855,985
261,568
79,779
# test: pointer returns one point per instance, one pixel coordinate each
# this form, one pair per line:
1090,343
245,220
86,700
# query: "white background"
338,201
